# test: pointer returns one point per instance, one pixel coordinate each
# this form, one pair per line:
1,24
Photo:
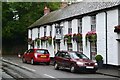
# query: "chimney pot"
46,10
64,4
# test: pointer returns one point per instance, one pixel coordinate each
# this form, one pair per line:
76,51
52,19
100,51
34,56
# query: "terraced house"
89,27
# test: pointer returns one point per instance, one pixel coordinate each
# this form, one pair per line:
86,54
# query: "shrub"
99,58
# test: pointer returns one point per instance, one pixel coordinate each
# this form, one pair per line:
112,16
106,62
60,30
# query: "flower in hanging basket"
117,29
91,36
79,38
68,38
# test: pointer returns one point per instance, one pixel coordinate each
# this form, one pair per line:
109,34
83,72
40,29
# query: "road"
43,71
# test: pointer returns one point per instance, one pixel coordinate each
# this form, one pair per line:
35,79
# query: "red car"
75,61
36,55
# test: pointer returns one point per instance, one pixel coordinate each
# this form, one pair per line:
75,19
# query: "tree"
17,16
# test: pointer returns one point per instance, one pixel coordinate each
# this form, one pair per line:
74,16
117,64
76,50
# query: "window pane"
50,30
42,51
93,22
69,30
69,27
77,55
79,25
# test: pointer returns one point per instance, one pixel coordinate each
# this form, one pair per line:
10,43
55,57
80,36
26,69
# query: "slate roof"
73,10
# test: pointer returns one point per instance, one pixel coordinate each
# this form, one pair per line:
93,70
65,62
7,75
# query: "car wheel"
56,66
47,63
72,69
23,60
32,61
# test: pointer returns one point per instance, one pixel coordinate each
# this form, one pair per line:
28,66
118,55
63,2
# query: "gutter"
106,37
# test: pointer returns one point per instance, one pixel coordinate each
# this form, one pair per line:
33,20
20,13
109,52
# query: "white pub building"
89,27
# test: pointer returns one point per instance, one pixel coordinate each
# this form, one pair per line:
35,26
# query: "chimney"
63,5
46,10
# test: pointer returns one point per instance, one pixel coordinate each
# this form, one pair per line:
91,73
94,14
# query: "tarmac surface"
105,70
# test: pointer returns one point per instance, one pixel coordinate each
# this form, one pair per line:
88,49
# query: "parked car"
36,55
75,61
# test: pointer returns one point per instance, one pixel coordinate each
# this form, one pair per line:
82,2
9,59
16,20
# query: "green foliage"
68,38
50,41
98,58
15,31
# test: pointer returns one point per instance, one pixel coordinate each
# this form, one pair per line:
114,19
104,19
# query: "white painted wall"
112,17
65,31
29,36
53,30
86,26
42,35
101,34
112,36
29,33
34,35
50,48
74,30
62,45
48,30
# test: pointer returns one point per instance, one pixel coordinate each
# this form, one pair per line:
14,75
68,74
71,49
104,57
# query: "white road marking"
29,68
21,66
10,62
49,76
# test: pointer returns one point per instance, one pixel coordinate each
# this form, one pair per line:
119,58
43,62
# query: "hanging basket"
91,36
117,29
68,38
77,37
37,40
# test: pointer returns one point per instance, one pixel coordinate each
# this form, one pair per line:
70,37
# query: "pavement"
105,70
110,71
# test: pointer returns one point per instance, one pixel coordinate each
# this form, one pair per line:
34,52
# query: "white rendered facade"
107,45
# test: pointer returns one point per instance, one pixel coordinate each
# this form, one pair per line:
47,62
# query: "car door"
26,55
30,54
62,56
66,60
58,58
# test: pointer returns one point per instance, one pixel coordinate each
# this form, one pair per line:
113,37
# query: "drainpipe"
106,36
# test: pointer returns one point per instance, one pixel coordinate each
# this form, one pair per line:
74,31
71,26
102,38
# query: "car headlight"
80,63
35,55
96,64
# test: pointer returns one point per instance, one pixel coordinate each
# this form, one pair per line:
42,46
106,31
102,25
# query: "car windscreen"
77,55
42,51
